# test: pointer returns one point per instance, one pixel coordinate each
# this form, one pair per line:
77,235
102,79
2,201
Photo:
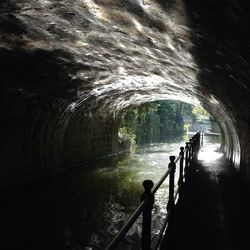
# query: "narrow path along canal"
83,208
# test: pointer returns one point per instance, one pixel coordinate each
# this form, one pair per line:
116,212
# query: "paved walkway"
214,210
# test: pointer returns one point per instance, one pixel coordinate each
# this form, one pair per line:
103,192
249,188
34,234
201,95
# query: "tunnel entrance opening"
164,121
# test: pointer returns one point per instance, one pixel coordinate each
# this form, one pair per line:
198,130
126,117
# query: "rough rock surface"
71,68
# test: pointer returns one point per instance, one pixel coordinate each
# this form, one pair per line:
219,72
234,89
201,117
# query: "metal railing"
147,198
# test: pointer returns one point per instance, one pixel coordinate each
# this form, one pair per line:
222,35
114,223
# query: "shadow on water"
83,208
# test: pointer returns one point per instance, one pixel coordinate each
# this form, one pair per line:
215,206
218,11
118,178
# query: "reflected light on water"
210,153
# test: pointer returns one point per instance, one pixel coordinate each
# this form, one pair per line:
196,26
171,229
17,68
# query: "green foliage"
127,137
157,121
186,127
154,122
200,114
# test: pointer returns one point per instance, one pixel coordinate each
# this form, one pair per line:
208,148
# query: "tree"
155,121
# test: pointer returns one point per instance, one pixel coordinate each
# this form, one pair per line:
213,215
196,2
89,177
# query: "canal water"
85,207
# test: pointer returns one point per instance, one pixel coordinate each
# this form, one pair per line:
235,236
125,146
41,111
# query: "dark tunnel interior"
69,70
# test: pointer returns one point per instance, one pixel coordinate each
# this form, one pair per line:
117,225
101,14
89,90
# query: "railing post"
194,146
186,156
199,139
181,166
191,149
171,204
147,214
198,143
171,165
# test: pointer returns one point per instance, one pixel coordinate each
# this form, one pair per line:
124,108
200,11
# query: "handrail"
164,225
133,217
163,178
146,206
124,229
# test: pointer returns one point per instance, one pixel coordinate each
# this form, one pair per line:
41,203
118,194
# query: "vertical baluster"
196,144
181,166
197,147
171,166
147,214
194,141
171,205
186,156
199,139
190,149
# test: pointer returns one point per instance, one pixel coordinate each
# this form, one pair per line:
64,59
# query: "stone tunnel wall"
52,139
43,129
221,49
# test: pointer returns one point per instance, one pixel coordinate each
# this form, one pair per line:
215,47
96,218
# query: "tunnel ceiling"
124,52
89,56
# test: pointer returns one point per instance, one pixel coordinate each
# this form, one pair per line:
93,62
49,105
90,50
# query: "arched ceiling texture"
70,69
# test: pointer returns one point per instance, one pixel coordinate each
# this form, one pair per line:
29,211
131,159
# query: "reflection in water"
149,162
83,208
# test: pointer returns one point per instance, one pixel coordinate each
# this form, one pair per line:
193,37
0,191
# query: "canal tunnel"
71,69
